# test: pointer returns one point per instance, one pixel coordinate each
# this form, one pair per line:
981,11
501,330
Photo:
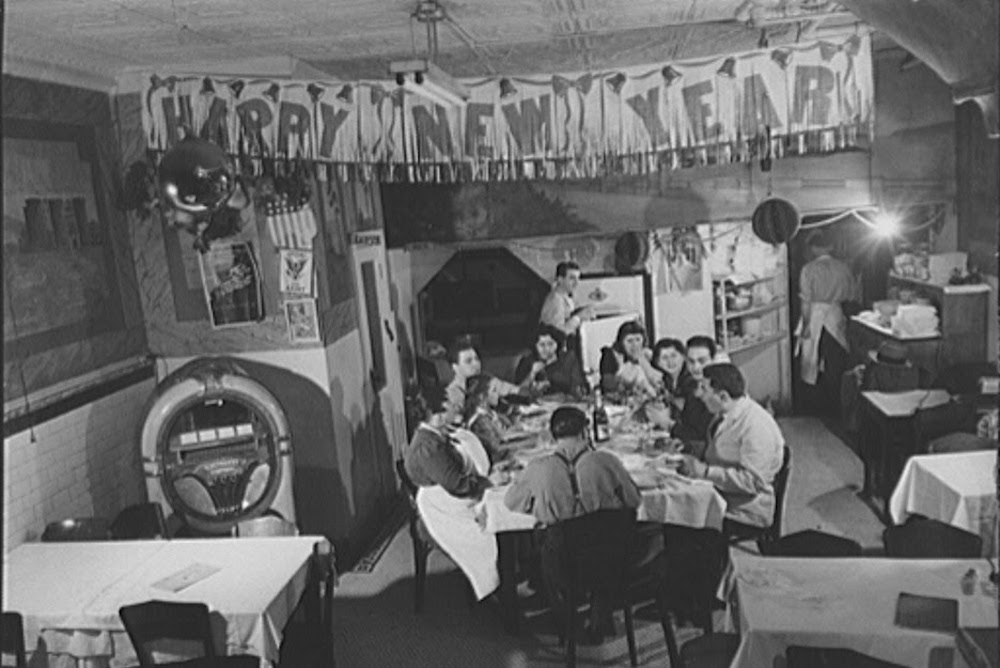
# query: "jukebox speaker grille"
219,440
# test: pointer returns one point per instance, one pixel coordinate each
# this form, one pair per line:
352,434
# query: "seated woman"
450,467
669,358
551,368
625,365
481,416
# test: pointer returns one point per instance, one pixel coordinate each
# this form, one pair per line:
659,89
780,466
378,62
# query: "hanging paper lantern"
775,220
196,177
631,252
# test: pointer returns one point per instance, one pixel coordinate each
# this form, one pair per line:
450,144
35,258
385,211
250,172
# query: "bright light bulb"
886,225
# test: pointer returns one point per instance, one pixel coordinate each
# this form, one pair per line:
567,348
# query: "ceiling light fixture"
422,77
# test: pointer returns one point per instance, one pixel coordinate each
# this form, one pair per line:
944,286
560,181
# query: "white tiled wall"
83,463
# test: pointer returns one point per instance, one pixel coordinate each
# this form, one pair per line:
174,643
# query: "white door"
378,333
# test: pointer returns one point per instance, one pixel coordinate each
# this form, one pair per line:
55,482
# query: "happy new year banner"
806,98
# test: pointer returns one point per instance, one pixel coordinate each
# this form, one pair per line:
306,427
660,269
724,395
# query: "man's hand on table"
692,467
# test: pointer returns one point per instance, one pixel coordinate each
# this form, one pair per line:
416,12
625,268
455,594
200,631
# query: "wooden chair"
709,651
832,657
592,553
12,638
77,529
423,544
737,532
811,543
923,538
139,521
933,423
148,622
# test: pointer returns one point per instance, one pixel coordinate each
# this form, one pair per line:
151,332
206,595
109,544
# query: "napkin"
930,613
186,577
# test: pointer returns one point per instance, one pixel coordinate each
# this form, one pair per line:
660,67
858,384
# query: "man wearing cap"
825,283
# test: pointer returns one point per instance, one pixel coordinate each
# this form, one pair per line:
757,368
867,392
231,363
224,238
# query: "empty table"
956,488
69,593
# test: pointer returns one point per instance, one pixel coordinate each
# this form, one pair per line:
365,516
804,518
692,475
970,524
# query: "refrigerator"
616,300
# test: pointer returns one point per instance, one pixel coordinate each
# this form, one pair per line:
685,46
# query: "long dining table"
69,594
667,496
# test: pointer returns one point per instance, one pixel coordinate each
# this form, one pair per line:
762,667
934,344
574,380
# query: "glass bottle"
599,418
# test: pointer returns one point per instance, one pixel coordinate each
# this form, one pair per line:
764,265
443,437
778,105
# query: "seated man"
549,368
450,469
694,417
574,481
465,363
745,452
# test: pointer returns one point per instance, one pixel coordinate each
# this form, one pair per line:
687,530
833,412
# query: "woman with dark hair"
481,417
669,358
625,365
550,367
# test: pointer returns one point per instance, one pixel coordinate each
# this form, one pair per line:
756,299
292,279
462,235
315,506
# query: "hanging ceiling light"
728,68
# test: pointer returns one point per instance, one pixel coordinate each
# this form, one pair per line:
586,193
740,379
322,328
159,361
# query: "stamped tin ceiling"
358,38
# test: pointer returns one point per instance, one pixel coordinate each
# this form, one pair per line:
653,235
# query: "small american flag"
291,226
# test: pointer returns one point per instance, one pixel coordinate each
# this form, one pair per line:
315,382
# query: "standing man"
825,283
559,310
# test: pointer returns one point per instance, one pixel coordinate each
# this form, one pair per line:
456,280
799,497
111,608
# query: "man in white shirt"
559,309
745,452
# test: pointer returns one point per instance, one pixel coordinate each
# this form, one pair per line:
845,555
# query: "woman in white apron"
450,470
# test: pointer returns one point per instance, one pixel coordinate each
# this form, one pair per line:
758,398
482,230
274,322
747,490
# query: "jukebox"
216,447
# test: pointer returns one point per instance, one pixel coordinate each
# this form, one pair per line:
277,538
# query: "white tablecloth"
847,603
903,404
676,500
956,488
69,593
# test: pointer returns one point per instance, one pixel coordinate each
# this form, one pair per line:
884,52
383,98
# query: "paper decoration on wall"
290,226
231,282
303,324
296,272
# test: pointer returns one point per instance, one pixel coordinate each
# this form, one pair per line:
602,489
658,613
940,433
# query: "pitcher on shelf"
825,283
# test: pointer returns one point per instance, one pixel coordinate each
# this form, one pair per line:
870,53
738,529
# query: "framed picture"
303,324
231,281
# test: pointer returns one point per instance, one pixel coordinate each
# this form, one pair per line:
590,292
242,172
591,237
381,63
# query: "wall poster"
231,282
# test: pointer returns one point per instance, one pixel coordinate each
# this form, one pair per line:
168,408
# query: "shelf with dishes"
739,344
751,310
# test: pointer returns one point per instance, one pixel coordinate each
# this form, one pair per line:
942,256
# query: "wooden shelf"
754,310
743,283
759,342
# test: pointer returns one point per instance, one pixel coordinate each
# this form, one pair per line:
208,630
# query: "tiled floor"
375,624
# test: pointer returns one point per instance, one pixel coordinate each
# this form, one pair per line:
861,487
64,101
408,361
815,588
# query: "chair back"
937,421
960,441
922,538
12,638
404,479
812,543
77,529
773,532
884,377
590,551
139,521
832,657
265,525
158,620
